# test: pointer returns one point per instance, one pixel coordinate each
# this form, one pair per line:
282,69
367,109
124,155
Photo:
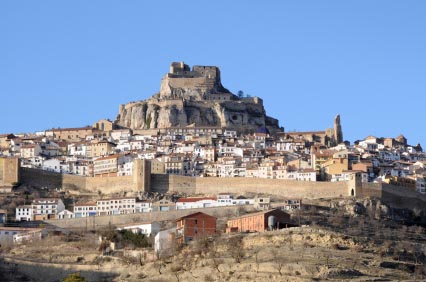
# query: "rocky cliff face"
197,98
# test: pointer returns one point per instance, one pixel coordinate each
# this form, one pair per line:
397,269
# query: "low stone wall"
51,272
97,222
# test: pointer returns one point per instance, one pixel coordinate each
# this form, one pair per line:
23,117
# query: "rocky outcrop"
195,97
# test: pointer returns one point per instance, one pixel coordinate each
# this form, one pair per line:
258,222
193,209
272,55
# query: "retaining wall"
51,272
97,222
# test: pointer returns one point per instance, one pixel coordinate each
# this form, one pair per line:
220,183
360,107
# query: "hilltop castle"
196,98
200,83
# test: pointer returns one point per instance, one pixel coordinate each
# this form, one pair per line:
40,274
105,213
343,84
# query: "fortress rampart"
190,185
145,181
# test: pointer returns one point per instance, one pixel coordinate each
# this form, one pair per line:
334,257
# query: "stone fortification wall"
40,178
252,100
172,102
1,169
9,171
286,188
109,185
190,185
402,197
98,222
51,180
164,183
369,190
213,185
398,197
187,82
75,182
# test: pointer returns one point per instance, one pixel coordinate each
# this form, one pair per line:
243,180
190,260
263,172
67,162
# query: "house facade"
46,208
147,228
24,213
195,226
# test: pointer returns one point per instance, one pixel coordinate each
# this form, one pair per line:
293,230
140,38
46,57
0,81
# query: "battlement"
179,68
182,70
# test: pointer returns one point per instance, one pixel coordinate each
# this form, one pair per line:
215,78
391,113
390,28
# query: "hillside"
346,240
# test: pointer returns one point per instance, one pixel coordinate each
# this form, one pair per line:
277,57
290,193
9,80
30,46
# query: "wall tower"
338,134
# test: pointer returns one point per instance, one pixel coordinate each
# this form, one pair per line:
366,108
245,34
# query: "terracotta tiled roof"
191,200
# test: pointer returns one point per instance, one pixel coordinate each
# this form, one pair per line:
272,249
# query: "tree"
74,277
236,248
279,260
256,251
159,264
215,256
240,94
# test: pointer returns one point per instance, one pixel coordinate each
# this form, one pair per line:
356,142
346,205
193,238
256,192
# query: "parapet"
182,70
179,68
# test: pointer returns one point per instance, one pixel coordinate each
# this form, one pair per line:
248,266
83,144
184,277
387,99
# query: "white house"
421,184
47,208
136,145
123,145
50,149
164,242
226,167
125,166
230,133
230,151
227,199
34,162
147,228
346,176
115,206
195,203
30,151
24,213
82,167
144,206
79,149
85,209
65,214
9,235
121,134
55,165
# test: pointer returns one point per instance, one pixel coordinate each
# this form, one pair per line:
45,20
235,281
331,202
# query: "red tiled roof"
191,200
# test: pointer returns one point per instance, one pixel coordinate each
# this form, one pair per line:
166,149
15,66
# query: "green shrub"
74,277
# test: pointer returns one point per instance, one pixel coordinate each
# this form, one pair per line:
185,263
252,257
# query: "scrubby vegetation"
344,240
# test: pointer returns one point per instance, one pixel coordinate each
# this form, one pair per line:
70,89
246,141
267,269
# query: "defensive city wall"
184,184
143,180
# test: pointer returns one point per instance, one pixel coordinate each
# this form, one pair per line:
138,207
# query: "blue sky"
70,63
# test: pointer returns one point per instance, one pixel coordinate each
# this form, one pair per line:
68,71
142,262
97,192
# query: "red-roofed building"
195,203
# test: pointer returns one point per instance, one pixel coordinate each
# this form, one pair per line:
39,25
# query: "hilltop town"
194,162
